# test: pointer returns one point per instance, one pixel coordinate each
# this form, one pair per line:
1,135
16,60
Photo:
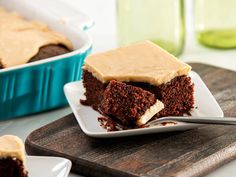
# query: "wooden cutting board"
191,153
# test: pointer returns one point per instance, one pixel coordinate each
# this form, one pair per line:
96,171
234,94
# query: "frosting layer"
154,109
20,40
140,62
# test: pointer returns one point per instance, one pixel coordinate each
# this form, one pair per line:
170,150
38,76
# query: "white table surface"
103,34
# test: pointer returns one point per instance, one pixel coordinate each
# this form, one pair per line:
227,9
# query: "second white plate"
42,166
87,117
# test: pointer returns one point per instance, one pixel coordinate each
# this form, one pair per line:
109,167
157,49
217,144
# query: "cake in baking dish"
143,65
23,41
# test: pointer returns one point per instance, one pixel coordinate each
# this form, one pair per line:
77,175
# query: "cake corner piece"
12,156
131,105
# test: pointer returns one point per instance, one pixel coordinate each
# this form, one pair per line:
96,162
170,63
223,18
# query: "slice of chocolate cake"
130,105
143,65
12,157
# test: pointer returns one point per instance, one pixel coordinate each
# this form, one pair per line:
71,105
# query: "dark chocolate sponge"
49,51
177,94
12,168
126,102
1,66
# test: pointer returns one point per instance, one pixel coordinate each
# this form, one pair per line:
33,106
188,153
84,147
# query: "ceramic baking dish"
38,86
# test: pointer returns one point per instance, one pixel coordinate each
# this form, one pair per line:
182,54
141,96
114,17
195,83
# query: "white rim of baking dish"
83,21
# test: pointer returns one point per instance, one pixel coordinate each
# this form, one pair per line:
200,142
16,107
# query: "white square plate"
87,117
41,166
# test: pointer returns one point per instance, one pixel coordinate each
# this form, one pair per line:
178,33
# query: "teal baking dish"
38,86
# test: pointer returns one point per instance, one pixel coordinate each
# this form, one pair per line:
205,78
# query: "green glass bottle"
215,23
161,21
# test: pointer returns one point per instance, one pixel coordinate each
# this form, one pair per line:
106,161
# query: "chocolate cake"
23,41
144,65
12,157
128,104
49,51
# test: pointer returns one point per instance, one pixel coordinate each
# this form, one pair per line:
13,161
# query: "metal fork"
197,120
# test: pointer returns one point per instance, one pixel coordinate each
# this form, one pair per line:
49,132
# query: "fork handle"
200,120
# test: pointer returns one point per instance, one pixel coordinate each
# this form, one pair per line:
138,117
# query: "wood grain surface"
181,154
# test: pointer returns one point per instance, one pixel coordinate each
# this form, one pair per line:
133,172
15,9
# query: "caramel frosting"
140,62
12,146
20,40
154,109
